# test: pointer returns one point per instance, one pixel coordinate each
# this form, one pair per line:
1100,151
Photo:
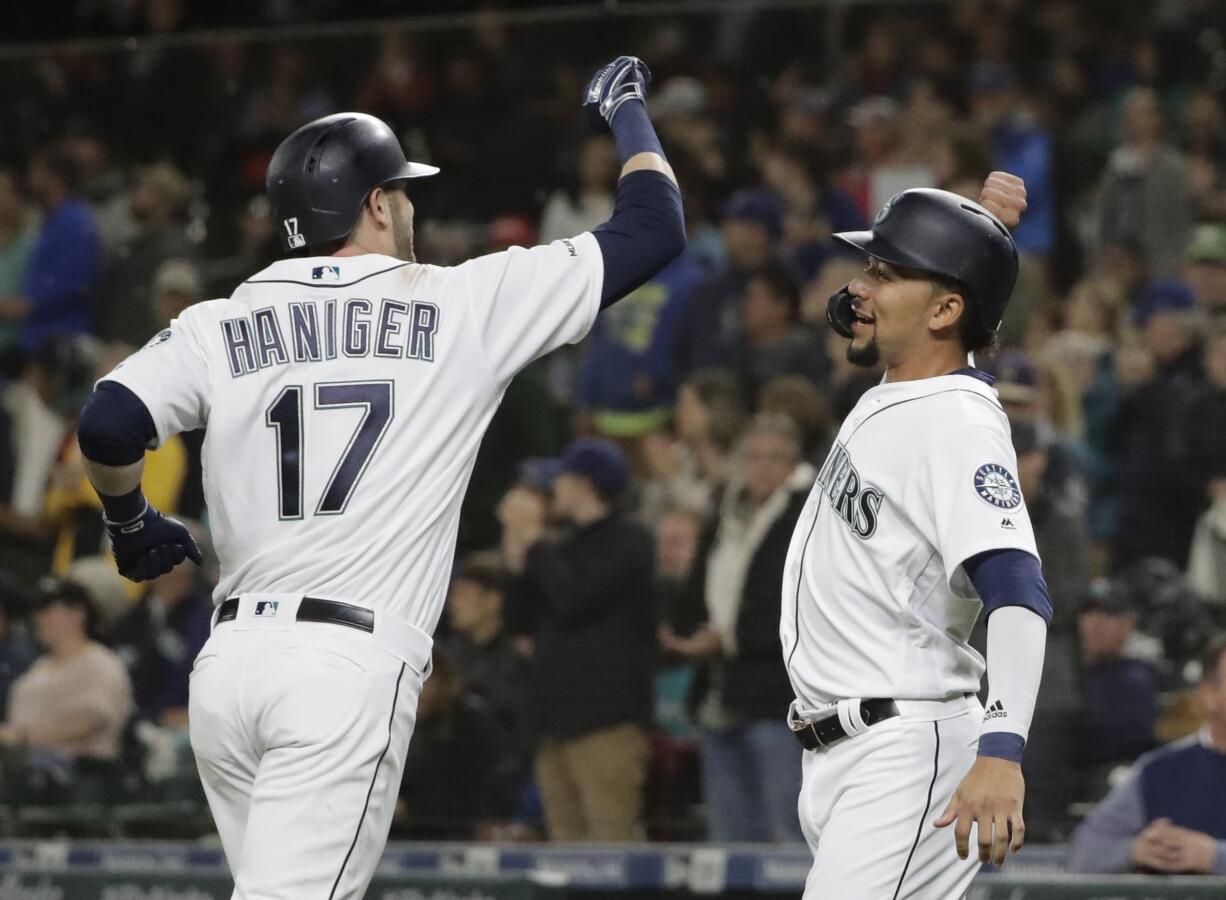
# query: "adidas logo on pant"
995,711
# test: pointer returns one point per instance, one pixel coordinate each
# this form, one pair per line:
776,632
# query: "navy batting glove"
150,545
623,80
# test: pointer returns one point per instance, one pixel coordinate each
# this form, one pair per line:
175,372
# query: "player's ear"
946,309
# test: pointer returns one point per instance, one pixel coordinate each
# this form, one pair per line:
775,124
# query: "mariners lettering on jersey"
858,504
313,330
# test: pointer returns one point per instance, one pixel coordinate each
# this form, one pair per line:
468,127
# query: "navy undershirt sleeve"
115,427
644,234
1009,577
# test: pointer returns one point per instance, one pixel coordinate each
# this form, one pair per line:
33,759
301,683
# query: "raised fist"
623,80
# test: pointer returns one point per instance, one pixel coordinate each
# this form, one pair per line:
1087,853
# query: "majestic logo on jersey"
160,338
996,485
326,273
856,503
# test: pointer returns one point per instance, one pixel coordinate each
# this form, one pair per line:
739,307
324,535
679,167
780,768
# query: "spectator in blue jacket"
61,278
1169,816
627,384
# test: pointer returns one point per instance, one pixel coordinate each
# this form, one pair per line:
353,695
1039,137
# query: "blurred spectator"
1205,266
677,539
17,236
1144,196
588,200
288,97
1095,306
774,343
1119,691
710,414
1205,147
710,327
17,650
1167,816
157,200
1059,524
882,167
444,792
158,642
75,701
58,296
398,88
176,286
591,694
795,397
1202,437
751,761
1157,510
479,645
627,385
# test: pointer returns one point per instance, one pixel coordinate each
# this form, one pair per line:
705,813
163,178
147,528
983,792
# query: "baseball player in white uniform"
915,525
344,394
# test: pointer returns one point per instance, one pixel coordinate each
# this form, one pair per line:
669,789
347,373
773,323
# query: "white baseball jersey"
345,399
875,601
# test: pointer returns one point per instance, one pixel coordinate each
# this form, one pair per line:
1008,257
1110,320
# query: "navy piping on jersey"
805,547
977,374
357,831
329,284
936,758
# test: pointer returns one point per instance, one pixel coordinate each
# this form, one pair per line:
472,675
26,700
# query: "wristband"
633,132
1002,745
125,508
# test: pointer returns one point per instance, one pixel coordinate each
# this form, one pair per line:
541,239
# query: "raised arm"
647,228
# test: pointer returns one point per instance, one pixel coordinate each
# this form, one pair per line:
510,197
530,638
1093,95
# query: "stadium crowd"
609,665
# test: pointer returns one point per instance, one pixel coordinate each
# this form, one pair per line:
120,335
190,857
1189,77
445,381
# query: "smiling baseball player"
916,523
344,395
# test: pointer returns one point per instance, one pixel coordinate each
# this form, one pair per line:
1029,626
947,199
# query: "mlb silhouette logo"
266,607
326,273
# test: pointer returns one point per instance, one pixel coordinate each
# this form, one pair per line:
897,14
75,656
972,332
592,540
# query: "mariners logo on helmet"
995,484
885,211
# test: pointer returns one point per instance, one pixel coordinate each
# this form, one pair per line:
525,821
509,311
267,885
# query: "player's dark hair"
1211,659
974,334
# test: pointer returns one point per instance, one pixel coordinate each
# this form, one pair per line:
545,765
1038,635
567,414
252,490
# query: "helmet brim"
875,246
416,170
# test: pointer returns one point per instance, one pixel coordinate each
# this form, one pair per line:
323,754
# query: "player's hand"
1004,196
990,798
151,545
621,81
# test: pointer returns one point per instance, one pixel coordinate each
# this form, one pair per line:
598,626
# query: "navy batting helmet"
322,173
944,234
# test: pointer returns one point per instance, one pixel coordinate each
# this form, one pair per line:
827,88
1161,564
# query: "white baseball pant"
300,731
867,804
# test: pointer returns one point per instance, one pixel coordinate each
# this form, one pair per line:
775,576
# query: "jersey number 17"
285,415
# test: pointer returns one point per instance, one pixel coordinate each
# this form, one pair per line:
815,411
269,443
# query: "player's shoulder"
964,399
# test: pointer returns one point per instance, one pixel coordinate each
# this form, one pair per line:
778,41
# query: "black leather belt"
829,730
312,609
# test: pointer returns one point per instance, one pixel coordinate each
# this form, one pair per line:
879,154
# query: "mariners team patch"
996,485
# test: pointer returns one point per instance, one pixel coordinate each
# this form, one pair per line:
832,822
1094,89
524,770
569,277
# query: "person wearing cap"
1156,504
590,693
1167,817
1204,266
751,225
176,286
881,168
1119,687
76,699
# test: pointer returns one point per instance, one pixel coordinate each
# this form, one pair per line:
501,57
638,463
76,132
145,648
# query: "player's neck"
931,363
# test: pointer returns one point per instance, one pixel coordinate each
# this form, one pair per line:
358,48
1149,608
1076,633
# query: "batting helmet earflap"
320,175
945,234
